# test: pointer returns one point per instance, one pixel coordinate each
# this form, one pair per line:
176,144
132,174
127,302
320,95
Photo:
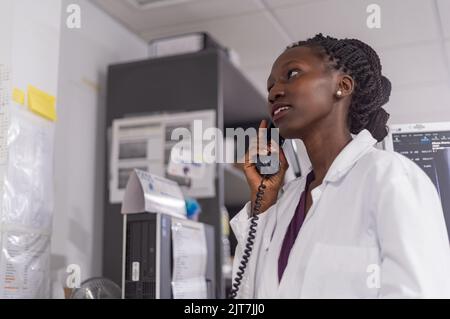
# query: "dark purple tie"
293,229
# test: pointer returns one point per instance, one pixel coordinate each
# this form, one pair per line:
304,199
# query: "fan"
97,288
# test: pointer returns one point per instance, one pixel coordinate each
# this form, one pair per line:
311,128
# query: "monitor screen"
422,148
428,145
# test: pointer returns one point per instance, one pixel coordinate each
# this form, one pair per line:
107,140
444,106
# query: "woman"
362,223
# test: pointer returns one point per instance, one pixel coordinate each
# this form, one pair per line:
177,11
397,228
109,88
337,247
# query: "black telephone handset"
256,207
259,163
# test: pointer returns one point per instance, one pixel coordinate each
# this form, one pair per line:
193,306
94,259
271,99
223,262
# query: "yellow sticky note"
18,96
42,103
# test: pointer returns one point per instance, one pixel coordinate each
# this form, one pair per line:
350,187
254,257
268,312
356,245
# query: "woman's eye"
292,73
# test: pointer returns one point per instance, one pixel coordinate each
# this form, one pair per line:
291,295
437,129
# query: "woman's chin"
288,133
287,130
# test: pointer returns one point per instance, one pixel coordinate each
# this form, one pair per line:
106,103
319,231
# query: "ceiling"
413,41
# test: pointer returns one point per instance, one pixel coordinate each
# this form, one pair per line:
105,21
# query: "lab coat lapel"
290,285
274,239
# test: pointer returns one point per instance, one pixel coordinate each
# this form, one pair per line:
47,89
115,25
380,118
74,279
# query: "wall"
80,141
36,30
5,31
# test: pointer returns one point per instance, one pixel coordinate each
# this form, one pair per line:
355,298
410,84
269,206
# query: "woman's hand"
274,182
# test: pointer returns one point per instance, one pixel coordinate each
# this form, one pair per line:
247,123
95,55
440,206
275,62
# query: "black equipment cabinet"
189,82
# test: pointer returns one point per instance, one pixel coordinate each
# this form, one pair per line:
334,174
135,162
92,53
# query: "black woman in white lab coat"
362,222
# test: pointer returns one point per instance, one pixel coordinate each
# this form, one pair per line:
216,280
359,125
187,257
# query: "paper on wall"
42,103
145,143
195,177
136,144
26,199
28,181
26,205
5,83
24,265
180,164
18,96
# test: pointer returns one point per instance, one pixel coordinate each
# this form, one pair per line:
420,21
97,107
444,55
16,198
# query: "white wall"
35,44
80,142
5,31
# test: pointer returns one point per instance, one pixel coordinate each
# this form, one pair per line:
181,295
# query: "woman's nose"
275,93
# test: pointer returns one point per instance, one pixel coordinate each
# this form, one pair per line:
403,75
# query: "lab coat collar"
358,147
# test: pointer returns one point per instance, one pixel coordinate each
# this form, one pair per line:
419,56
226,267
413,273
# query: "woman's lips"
280,113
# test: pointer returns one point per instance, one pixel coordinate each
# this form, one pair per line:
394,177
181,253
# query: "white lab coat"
375,229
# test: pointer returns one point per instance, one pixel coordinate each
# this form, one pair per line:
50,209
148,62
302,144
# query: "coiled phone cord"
250,239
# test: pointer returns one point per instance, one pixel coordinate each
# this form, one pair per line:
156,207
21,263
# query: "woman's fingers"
263,124
252,175
256,147
263,147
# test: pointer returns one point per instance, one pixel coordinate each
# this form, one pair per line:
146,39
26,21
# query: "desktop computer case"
147,257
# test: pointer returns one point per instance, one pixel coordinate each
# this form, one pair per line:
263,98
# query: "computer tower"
148,261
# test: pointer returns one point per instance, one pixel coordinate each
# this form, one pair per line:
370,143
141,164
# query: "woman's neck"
323,147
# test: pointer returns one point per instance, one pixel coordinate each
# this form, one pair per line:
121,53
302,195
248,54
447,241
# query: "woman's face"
302,86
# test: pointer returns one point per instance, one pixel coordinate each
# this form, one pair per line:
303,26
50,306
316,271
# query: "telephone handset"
260,164
255,211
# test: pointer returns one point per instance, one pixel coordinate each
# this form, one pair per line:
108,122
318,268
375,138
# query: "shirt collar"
357,148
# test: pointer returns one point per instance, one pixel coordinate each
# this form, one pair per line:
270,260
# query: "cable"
250,239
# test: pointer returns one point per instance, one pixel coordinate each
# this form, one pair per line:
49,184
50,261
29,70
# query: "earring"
339,93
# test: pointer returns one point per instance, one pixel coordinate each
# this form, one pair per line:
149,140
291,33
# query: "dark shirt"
293,228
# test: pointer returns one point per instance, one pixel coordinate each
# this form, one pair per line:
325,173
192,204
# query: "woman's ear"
346,85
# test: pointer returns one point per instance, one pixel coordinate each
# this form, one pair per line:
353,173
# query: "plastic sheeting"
26,202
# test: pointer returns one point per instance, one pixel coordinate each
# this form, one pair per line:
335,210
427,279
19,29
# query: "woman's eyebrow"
299,61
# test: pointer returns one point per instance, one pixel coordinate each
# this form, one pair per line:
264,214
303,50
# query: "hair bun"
386,87
377,124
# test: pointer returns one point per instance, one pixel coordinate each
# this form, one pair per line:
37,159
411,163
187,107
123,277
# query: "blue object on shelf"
193,208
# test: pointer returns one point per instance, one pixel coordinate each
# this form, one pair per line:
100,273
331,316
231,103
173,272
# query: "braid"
372,89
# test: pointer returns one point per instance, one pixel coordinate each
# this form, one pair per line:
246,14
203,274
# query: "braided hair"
372,89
